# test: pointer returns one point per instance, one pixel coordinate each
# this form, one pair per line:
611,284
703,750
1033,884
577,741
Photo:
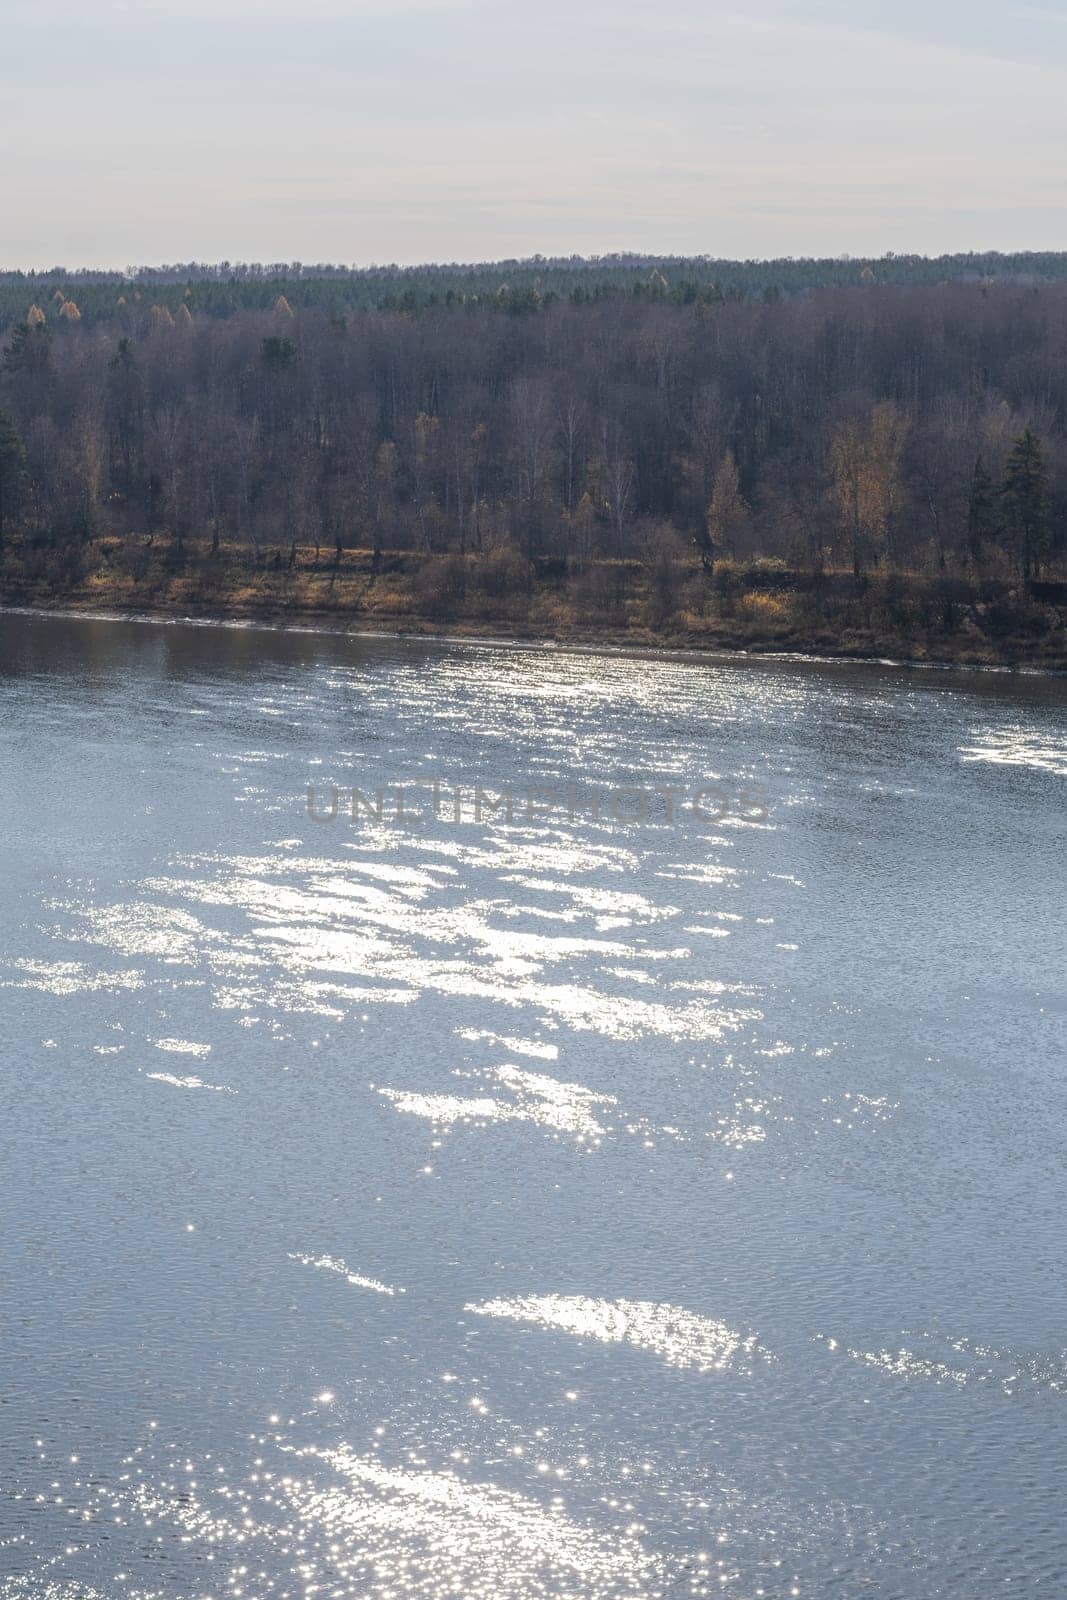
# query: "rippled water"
483,1210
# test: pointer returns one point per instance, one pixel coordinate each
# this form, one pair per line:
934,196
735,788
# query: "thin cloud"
690,127
139,12
899,47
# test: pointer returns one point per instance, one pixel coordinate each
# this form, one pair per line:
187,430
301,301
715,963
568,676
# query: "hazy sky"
410,130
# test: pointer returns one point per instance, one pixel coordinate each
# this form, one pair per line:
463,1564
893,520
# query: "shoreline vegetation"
860,459
761,607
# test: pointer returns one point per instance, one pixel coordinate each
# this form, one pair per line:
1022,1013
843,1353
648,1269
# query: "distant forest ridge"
223,288
866,465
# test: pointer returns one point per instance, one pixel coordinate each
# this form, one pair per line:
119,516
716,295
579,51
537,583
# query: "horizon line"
296,266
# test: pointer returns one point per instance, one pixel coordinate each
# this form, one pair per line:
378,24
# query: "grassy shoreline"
760,609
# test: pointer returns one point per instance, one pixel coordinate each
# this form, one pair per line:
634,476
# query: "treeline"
516,287
860,428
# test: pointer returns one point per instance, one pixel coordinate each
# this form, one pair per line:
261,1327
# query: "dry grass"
904,615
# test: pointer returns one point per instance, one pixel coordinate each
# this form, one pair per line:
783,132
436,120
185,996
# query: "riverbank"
761,608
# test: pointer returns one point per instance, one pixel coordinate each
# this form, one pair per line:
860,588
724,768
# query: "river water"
657,1202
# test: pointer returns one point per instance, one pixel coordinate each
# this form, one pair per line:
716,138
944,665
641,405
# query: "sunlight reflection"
333,1264
678,1337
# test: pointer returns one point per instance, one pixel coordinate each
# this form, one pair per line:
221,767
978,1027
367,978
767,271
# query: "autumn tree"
90,446
865,460
726,515
581,532
570,432
424,462
386,473
618,483
578,424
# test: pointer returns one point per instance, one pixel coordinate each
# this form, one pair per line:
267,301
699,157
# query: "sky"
362,131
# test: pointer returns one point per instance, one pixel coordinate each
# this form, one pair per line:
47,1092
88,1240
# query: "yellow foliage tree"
426,431
282,308
865,459
69,311
727,511
583,531
35,317
386,472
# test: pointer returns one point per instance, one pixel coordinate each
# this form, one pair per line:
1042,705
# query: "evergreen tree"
30,347
12,472
125,397
1025,496
278,353
981,511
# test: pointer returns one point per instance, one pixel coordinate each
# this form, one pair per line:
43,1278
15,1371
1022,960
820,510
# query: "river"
488,1124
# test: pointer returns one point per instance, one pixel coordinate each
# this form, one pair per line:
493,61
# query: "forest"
219,289
835,455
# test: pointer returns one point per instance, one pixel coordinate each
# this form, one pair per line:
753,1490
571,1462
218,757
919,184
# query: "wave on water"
331,1520
535,1097
963,1362
680,1338
1017,748
190,1082
333,1264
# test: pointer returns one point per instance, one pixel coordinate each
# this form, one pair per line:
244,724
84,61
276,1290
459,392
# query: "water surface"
648,1205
